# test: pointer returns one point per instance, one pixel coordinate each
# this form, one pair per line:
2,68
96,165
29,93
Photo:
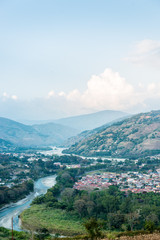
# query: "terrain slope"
136,136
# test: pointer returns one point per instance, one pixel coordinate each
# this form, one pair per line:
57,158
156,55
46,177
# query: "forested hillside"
135,136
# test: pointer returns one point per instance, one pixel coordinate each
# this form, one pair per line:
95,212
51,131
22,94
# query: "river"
14,209
59,151
40,187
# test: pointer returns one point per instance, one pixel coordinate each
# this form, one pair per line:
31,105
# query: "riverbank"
15,193
15,209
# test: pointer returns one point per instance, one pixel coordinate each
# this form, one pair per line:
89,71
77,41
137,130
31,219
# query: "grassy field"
6,234
55,220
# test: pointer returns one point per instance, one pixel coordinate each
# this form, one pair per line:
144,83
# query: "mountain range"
138,135
15,134
93,120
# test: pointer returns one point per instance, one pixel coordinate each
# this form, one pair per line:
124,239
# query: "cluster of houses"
131,181
67,165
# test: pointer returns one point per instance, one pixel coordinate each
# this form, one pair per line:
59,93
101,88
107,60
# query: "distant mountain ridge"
92,120
85,134
136,136
16,134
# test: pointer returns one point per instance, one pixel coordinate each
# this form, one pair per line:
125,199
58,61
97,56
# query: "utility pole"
12,228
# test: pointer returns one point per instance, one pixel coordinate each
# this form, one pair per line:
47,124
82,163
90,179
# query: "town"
132,181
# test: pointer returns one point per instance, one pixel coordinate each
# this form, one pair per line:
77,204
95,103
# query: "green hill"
135,136
15,134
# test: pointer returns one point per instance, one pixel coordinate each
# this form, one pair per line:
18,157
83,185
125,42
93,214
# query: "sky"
63,58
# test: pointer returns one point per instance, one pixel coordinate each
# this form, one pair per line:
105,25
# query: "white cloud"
14,97
6,96
147,46
151,87
51,94
61,94
108,90
145,52
74,95
153,90
111,91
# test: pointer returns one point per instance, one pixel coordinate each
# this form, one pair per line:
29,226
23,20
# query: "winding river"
14,210
40,187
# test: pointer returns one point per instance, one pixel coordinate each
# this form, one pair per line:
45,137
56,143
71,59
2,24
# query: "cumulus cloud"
145,52
153,90
6,96
51,94
14,97
108,90
74,95
61,94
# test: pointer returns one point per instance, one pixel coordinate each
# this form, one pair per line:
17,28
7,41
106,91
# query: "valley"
129,171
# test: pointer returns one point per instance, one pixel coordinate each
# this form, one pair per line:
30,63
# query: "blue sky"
61,58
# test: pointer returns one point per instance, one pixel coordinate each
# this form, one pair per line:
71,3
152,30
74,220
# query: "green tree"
94,228
42,233
149,226
115,220
132,219
80,207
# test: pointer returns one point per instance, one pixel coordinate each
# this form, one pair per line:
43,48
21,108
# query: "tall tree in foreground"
94,228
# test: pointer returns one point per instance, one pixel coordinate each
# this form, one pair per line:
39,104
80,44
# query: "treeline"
65,179
118,210
13,194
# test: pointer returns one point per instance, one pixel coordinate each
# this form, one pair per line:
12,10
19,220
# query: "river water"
40,187
14,210
59,151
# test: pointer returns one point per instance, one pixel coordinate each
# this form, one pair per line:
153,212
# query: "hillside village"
132,181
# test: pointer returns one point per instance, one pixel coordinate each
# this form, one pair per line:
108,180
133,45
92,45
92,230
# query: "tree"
42,233
152,217
133,218
90,207
67,196
149,226
49,197
80,207
94,228
115,220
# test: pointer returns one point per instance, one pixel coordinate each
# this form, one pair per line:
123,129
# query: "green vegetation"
135,136
94,228
6,234
15,193
16,136
118,210
15,169
55,220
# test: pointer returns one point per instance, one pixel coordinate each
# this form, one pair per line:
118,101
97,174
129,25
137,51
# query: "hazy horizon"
67,58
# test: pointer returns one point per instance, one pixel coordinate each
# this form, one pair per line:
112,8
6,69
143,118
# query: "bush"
149,226
111,236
